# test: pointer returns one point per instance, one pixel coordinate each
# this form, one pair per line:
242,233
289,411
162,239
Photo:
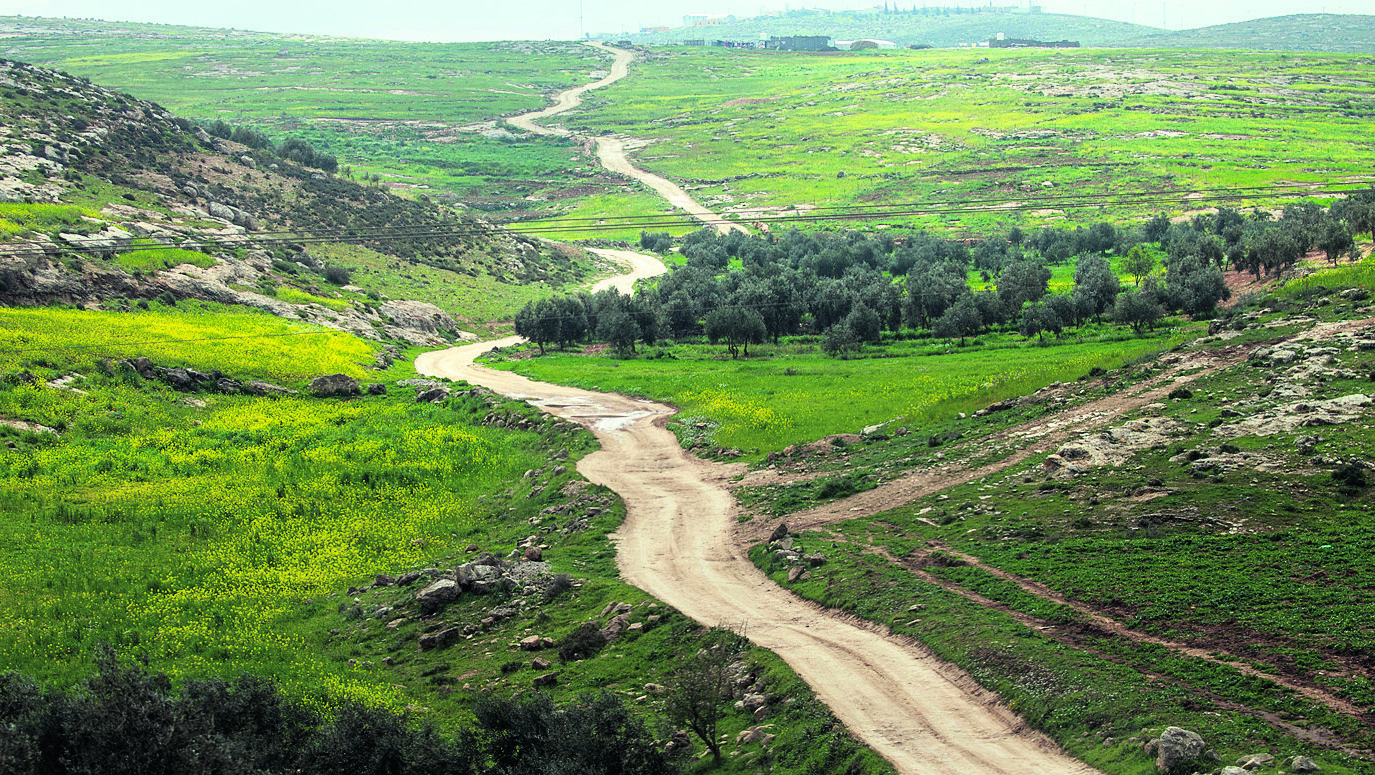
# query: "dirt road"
677,544
611,150
638,265
572,98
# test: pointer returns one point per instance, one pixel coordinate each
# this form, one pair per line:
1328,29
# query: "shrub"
583,642
337,275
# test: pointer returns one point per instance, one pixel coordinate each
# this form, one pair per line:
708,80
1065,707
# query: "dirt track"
638,266
677,543
611,151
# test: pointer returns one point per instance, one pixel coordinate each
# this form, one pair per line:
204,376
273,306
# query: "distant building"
653,30
1002,41
862,44
707,21
801,43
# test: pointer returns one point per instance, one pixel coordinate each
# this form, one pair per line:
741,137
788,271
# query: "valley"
599,406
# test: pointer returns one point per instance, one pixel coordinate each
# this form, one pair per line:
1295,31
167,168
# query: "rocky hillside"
104,196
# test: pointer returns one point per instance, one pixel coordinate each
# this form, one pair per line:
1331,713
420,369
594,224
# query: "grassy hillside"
412,113
1033,132
1038,135
1301,32
145,197
1210,577
947,30
212,533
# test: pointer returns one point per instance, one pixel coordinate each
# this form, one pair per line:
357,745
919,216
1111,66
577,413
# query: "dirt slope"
611,150
677,543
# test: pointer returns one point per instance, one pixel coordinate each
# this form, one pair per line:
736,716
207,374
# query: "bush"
1181,393
1351,476
583,642
337,275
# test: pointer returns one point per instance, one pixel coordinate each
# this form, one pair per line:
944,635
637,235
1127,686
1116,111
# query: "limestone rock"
259,388
615,627
440,639
1304,764
434,395
1255,761
438,594
334,385
1177,746
548,679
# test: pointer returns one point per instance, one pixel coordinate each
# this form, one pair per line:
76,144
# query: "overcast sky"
460,20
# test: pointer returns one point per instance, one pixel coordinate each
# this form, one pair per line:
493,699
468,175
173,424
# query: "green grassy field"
412,113
1047,130
222,535
792,394
1044,134
1259,566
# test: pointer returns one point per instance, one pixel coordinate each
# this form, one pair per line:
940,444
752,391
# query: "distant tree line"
852,287
292,149
129,721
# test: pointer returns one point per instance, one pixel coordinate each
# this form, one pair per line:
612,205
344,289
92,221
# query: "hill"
111,196
417,118
1354,33
909,29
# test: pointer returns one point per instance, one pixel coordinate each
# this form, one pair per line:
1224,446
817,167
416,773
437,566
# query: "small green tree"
1334,239
1140,263
1039,318
700,691
1095,281
1020,282
737,326
1139,309
960,321
839,341
619,329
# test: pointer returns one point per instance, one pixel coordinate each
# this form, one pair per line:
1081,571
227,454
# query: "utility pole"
582,31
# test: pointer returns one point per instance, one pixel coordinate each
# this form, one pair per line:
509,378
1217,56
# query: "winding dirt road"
638,266
677,544
611,150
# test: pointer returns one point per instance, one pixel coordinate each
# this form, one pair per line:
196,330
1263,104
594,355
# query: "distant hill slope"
914,29
102,194
1353,33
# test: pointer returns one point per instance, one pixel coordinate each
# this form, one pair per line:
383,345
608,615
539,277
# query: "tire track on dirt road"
678,544
611,151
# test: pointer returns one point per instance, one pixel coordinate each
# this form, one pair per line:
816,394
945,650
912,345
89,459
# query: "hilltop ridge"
1353,33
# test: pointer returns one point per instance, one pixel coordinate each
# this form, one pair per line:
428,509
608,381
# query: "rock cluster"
787,550
191,380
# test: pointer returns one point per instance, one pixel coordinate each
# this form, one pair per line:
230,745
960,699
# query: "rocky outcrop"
438,595
1177,747
334,385
419,316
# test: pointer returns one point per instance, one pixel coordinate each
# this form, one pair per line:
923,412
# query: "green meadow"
1073,135
793,394
1039,135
